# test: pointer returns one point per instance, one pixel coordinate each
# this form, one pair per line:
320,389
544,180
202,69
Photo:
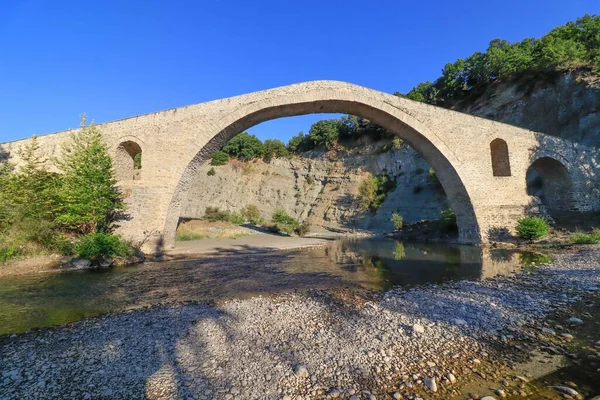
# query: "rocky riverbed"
431,341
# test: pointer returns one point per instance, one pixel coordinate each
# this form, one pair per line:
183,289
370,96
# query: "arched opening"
128,161
549,180
393,120
500,158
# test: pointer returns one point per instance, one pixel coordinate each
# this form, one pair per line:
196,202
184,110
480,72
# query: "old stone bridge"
481,164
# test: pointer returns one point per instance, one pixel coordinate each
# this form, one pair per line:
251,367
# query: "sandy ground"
261,242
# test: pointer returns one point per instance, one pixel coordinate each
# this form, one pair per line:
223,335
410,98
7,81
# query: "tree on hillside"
275,148
325,133
88,193
576,43
244,147
299,143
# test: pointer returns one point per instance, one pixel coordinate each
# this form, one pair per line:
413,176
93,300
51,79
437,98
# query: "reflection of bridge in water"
414,263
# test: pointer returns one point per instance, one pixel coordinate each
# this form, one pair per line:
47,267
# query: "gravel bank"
403,343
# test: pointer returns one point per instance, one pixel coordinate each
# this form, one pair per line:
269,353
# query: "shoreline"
405,341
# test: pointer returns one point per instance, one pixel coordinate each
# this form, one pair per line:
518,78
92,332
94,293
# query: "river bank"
431,341
256,243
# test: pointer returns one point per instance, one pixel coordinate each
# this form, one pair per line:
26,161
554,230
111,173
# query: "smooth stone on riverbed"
431,384
575,321
301,371
417,328
451,378
488,398
567,390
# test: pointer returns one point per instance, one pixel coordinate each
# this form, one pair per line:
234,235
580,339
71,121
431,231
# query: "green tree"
219,158
244,147
31,191
299,143
275,148
325,133
90,200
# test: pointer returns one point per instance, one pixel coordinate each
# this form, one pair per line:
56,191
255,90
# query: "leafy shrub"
448,220
397,221
302,229
532,228
137,161
211,172
325,133
281,217
299,143
214,214
275,148
236,218
251,214
373,190
94,246
244,147
219,158
397,143
587,238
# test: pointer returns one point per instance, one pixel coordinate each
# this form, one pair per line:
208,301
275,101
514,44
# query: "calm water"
374,264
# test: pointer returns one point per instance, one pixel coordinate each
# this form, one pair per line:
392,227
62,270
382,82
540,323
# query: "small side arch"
549,179
128,161
500,157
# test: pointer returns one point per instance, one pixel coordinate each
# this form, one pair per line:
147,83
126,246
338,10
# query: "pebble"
567,390
264,347
418,328
430,384
567,336
301,371
575,321
500,392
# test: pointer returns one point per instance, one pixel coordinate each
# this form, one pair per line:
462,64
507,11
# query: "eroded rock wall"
320,189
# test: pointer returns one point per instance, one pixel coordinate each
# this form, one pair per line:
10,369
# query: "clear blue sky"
115,59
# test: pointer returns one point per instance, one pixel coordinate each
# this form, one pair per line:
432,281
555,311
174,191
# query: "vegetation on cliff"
575,43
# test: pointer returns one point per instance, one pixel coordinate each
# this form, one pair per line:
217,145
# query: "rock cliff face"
566,104
322,188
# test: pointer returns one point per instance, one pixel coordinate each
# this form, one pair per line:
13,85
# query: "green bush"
448,220
532,228
214,214
281,217
373,191
275,149
397,221
245,147
237,218
299,143
325,133
94,246
251,214
211,172
137,161
397,143
219,158
587,238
